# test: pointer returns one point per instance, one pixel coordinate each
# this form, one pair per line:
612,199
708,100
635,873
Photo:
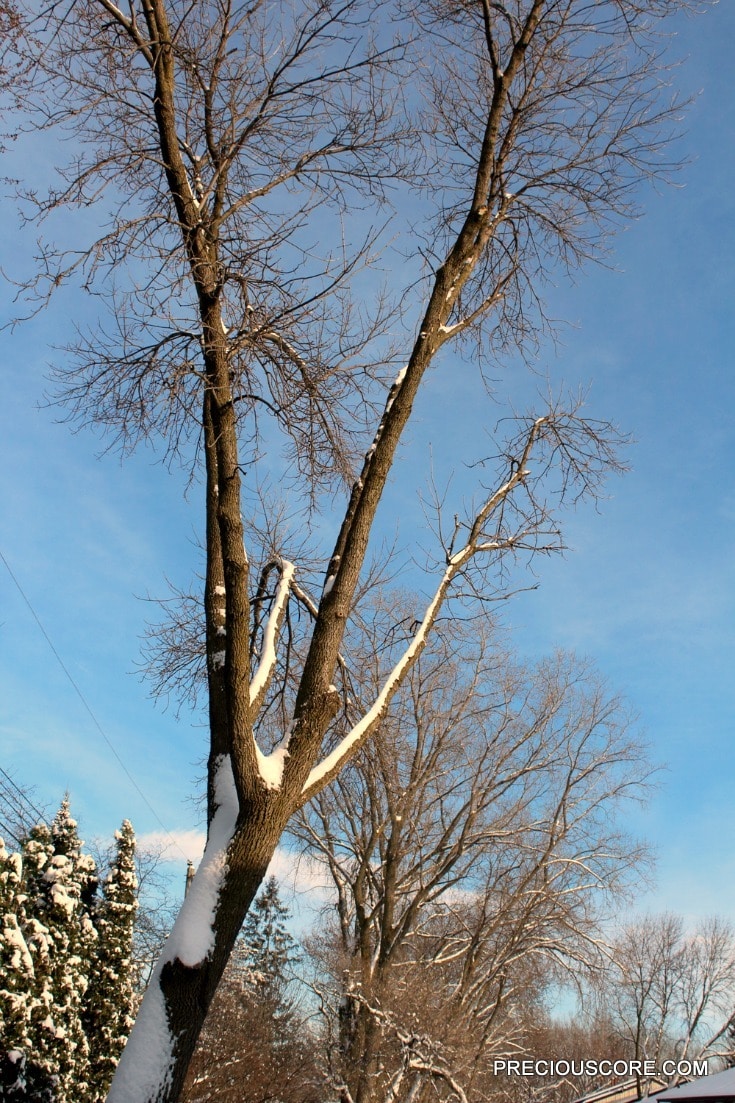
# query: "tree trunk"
155,1061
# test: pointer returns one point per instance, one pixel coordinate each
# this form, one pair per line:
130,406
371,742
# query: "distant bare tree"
671,993
18,810
580,1040
12,63
227,148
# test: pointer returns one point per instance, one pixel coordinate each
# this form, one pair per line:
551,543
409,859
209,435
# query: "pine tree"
16,978
64,893
67,990
266,951
111,999
25,978
16,964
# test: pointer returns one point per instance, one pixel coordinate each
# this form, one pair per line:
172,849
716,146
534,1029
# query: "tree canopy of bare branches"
234,155
472,844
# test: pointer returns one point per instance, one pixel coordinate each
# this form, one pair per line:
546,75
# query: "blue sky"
646,589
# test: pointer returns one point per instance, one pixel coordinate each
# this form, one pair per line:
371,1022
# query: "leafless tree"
12,64
579,1040
18,809
671,993
707,990
471,844
214,138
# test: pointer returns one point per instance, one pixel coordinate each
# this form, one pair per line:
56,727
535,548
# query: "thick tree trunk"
155,1061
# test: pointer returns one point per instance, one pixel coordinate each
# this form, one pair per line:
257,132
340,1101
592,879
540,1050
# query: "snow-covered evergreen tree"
17,982
67,989
111,999
16,964
61,891
25,978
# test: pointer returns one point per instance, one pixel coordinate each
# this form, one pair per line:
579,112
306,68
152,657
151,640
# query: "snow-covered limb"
270,767
329,766
419,1055
264,671
192,937
324,771
439,1072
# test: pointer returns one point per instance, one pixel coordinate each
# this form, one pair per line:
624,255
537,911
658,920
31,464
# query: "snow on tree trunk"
149,1057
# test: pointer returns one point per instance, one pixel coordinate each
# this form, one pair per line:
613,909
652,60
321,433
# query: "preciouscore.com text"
541,1067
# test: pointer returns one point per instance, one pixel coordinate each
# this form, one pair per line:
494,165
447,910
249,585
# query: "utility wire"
25,802
9,834
94,719
18,806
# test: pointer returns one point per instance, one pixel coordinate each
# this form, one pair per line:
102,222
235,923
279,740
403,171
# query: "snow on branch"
264,671
333,762
331,765
579,451
419,1054
270,766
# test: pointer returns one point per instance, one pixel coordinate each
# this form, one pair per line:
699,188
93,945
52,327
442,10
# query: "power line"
26,804
9,834
86,705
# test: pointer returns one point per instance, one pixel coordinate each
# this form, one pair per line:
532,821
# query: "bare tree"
584,1042
471,845
12,64
707,989
213,136
18,810
671,994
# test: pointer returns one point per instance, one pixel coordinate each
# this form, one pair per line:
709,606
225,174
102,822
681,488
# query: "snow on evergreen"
61,882
111,998
16,963
66,980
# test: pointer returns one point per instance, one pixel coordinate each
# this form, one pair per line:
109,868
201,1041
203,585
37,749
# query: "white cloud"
297,875
174,846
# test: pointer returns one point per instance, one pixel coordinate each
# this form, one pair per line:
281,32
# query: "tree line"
473,853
